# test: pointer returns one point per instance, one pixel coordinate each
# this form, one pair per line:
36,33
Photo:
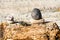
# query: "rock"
36,14
38,21
42,31
53,29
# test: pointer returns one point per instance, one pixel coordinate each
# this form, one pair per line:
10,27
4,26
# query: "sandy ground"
21,9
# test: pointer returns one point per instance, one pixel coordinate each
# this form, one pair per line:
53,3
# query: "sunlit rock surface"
34,31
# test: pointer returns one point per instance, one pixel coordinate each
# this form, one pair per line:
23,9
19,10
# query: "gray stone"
36,14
